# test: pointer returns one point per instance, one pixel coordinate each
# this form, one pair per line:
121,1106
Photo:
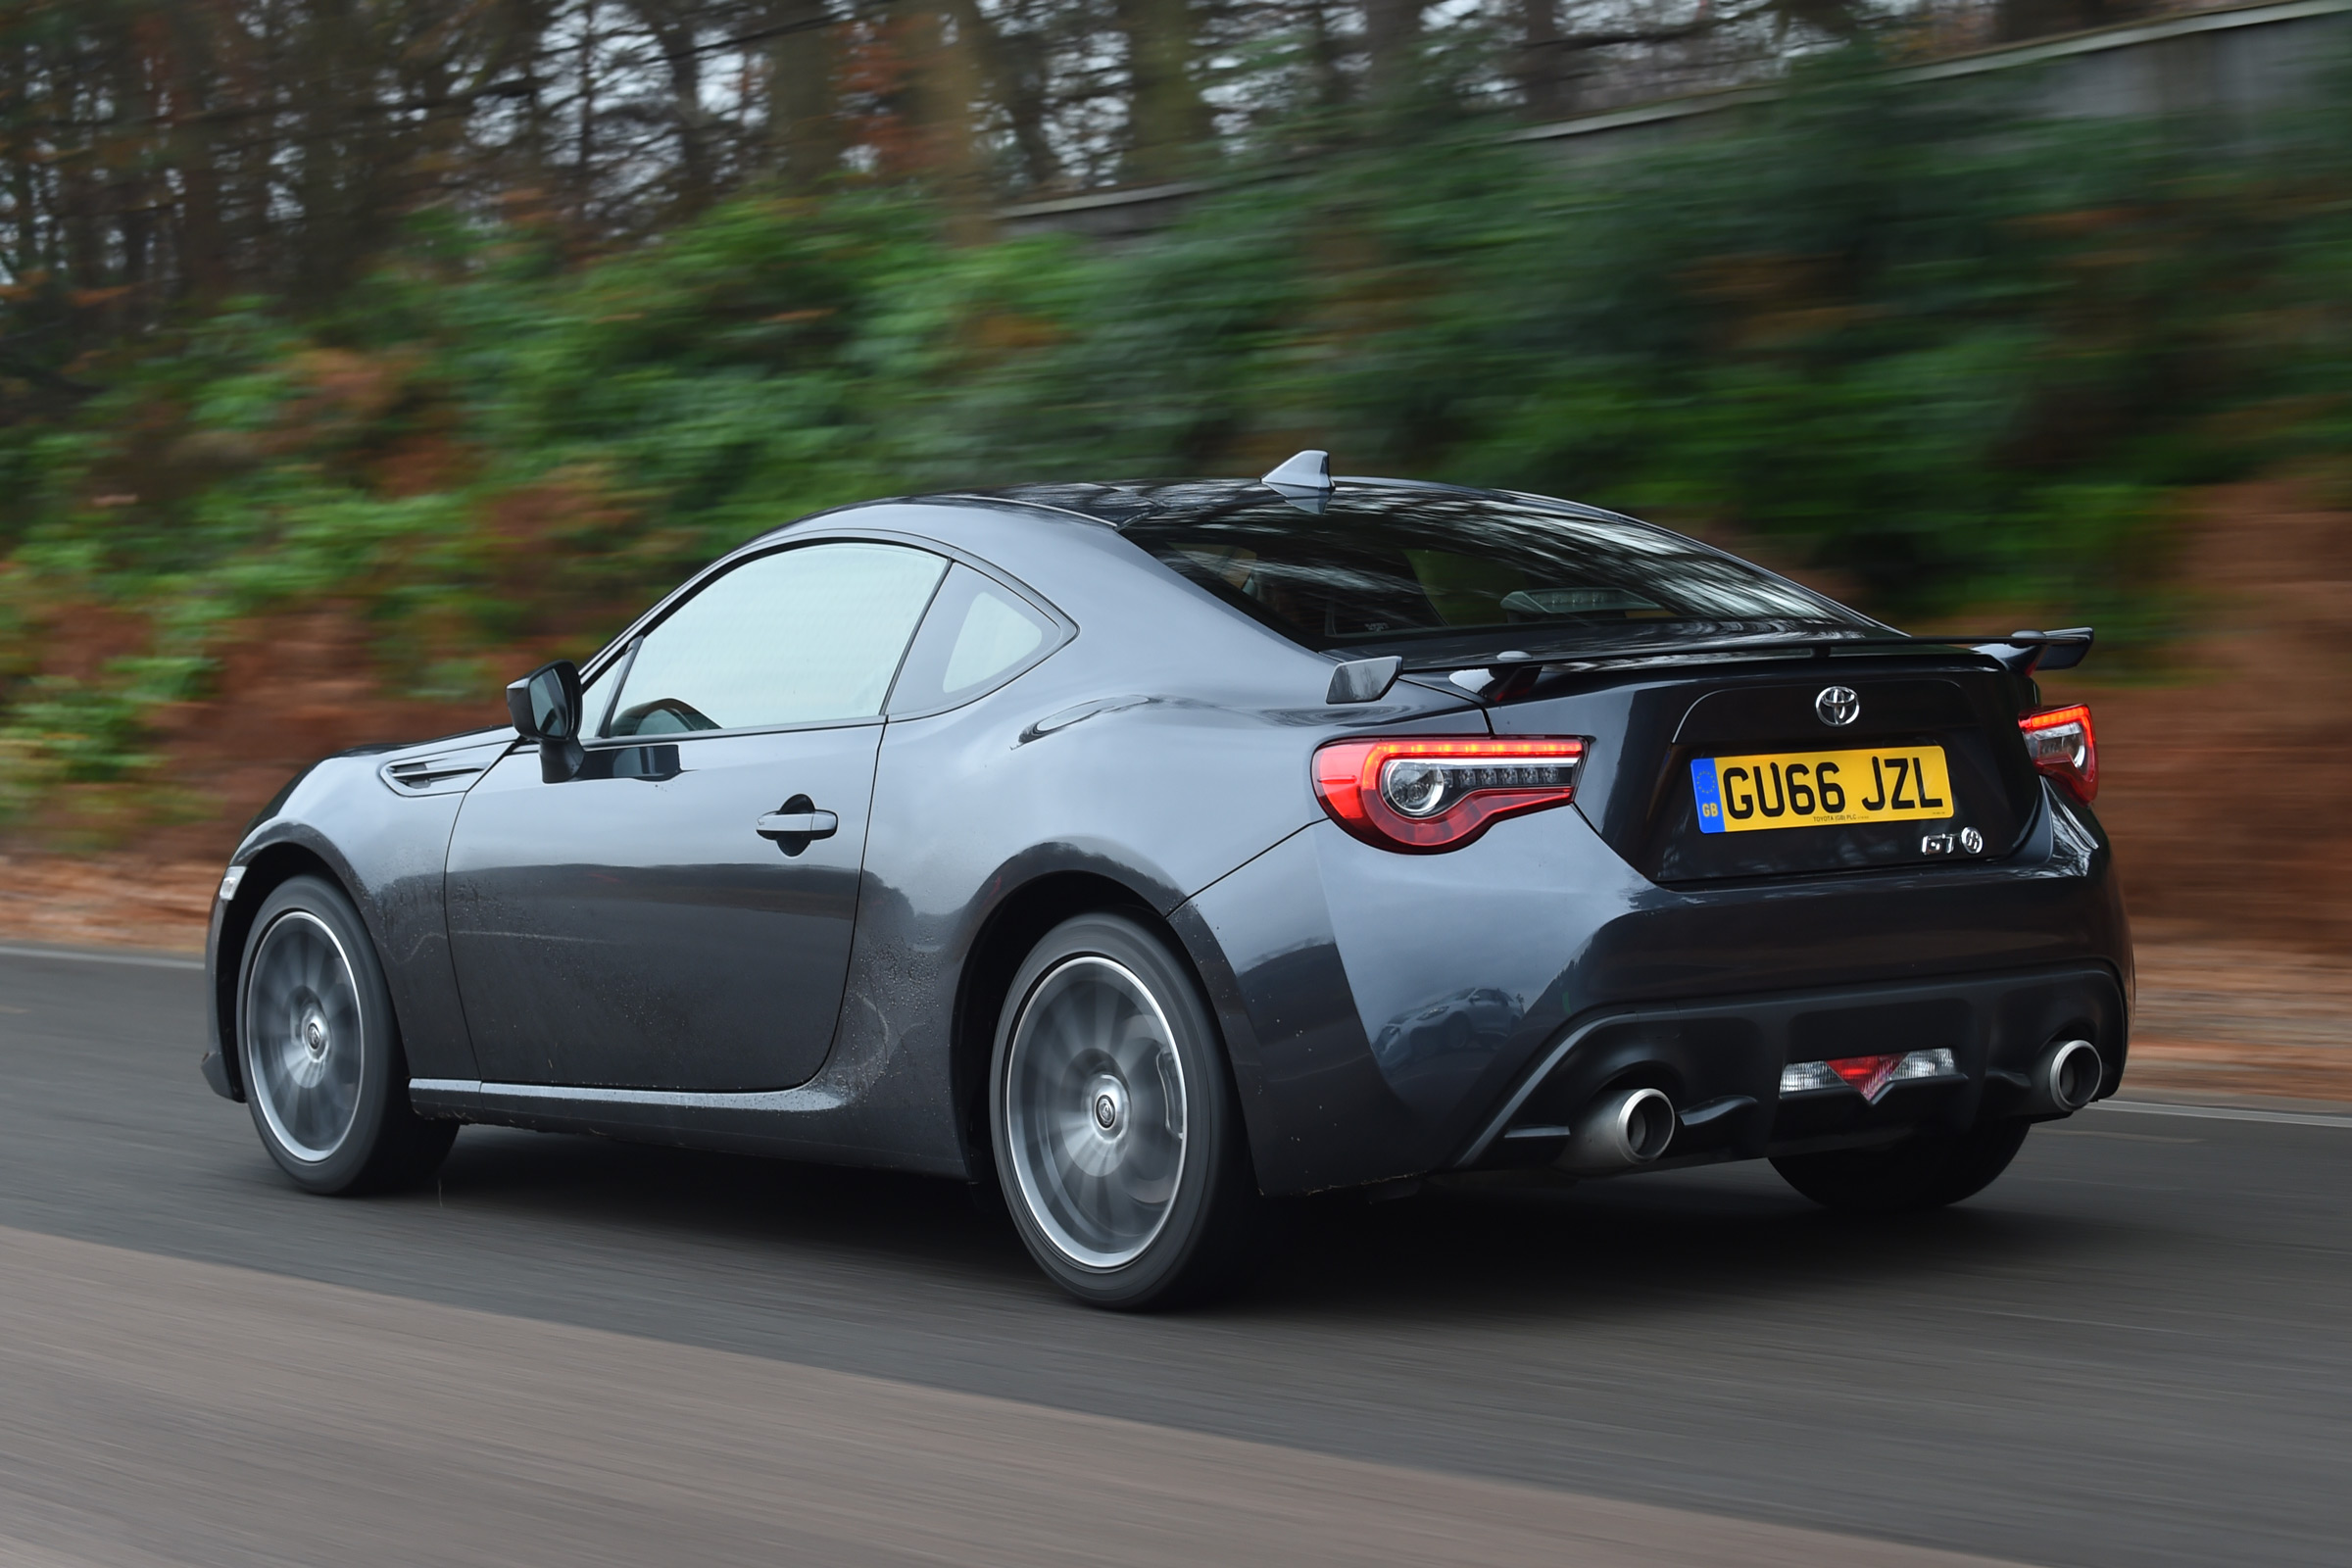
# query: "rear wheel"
1118,1138
324,1076
1925,1172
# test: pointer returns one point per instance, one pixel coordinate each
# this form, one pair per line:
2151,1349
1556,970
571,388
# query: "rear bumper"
1719,1063
1383,1009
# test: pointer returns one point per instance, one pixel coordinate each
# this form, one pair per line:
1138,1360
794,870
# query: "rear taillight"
1433,792
2061,744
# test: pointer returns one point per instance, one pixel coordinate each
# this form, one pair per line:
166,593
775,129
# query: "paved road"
2132,1351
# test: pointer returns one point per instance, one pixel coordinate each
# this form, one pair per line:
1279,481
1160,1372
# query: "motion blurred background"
358,355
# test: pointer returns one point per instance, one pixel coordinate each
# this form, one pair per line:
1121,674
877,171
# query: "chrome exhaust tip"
2072,1075
1617,1132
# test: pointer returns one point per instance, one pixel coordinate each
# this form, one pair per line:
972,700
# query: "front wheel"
324,1076
1926,1170
1118,1138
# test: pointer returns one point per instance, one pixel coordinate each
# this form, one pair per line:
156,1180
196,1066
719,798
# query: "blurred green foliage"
1950,356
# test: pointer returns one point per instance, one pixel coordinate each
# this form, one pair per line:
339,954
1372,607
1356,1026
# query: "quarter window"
978,636
805,636
993,636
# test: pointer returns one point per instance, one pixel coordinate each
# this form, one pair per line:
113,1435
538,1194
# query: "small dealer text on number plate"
1821,789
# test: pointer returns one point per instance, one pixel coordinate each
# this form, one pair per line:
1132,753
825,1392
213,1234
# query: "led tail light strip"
1422,794
2061,743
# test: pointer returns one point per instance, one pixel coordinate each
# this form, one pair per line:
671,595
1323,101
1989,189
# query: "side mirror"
544,706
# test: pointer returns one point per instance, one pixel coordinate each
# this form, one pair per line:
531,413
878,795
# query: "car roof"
1124,501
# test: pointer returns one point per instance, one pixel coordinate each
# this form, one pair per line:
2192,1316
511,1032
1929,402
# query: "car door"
678,915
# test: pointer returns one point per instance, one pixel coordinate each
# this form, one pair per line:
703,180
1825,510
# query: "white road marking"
143,960
2101,1132
2290,1118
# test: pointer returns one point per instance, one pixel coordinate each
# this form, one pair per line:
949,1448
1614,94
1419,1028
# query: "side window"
802,636
979,635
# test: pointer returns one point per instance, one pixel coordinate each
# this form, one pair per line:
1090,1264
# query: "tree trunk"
323,192
188,133
1016,74
132,184
1323,56
1168,117
803,112
1391,35
677,35
942,85
23,188
1543,64
583,168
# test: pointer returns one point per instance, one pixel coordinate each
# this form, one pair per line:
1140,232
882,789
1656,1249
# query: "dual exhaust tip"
1617,1132
1633,1126
2070,1077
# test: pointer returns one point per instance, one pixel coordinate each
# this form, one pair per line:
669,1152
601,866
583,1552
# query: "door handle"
808,824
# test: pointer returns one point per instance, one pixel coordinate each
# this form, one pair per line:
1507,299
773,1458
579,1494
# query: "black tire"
1925,1172
324,1075
1117,1135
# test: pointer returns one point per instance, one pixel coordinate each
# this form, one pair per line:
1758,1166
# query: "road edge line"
2290,1118
143,960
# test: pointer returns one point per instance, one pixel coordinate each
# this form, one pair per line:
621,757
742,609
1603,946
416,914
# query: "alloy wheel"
304,1034
1095,1111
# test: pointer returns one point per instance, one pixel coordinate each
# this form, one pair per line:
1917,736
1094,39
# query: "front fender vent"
430,775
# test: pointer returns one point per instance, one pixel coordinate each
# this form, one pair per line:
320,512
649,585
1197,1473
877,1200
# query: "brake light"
1438,792
2061,743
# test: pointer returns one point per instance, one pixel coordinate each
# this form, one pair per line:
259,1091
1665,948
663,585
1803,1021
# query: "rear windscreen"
1383,565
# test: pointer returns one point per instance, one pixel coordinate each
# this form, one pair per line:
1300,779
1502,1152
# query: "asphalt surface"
2131,1350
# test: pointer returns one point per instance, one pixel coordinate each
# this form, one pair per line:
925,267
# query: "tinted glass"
802,636
978,634
1390,563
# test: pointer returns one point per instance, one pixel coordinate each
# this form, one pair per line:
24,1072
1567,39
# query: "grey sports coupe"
1155,853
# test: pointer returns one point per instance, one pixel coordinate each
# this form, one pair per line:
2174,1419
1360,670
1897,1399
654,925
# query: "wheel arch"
1019,920
265,872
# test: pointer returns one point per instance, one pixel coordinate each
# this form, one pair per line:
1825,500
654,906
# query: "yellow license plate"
1821,789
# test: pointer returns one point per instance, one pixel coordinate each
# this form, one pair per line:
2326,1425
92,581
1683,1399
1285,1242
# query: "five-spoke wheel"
1095,1111
304,1037
319,1052
1117,1139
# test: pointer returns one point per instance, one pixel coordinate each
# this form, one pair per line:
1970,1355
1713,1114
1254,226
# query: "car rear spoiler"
2028,651
2022,652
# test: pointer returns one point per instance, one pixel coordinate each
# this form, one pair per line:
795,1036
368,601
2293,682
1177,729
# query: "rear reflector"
1870,1076
1426,793
1799,1077
2061,743
1937,1063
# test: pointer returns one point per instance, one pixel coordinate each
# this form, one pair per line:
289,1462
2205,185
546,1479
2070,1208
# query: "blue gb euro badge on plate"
1710,797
